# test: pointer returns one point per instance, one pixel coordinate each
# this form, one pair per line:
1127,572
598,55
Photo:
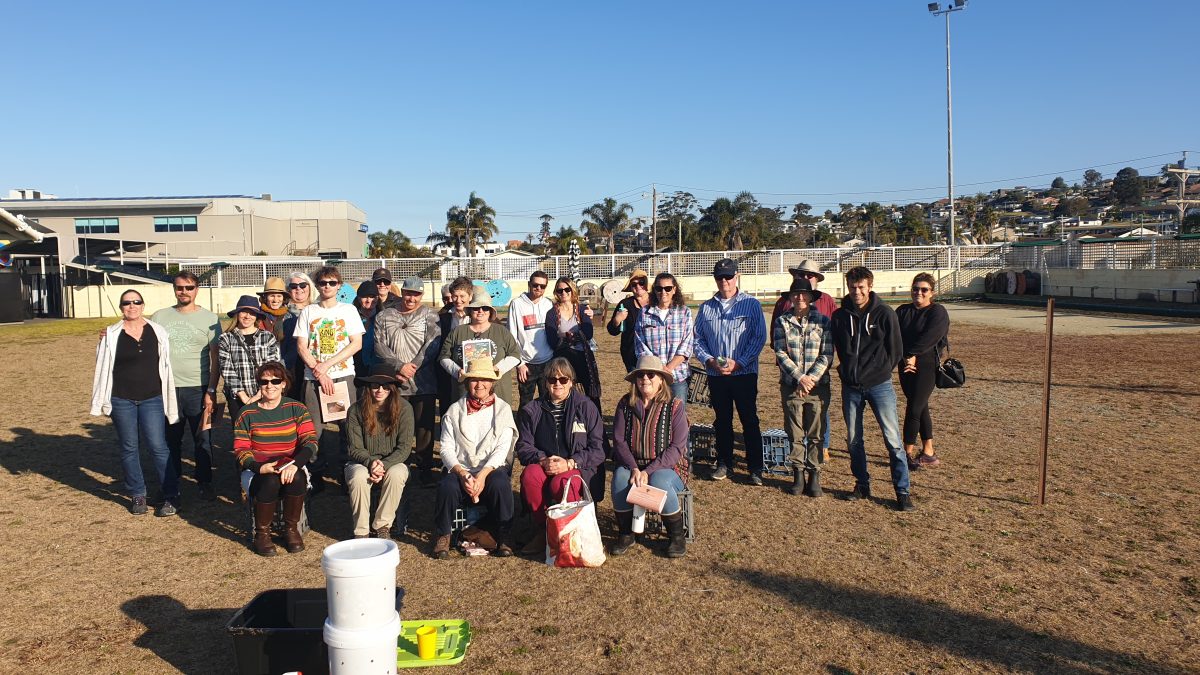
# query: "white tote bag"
572,532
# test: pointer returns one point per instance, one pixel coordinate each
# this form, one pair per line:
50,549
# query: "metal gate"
42,292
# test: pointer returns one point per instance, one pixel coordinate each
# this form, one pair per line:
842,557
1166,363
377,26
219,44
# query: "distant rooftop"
127,199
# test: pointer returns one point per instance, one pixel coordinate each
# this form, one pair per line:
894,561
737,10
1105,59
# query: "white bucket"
360,582
369,651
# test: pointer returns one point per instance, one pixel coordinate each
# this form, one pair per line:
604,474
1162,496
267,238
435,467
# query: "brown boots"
293,505
264,513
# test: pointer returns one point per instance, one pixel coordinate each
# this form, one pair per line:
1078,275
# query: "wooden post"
1046,402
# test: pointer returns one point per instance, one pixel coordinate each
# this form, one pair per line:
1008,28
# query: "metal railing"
1134,254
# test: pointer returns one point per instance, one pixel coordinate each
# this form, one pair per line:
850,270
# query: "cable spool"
590,293
500,291
613,291
347,294
1010,282
988,281
1020,283
1033,282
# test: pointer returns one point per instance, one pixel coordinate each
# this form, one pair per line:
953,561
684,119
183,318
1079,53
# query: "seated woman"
380,427
477,437
650,437
274,437
559,436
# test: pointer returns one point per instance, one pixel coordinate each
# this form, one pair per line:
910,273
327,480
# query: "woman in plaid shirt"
804,351
241,349
664,329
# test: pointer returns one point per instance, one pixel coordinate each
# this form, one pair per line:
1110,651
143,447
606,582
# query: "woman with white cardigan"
134,385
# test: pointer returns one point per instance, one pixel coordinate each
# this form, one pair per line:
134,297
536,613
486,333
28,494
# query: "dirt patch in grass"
1103,579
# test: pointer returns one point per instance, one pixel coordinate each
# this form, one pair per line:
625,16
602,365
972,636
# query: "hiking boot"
625,538
441,547
207,493
797,485
756,479
292,507
904,502
502,551
677,547
812,487
165,509
480,537
721,473
264,513
861,491
537,545
382,533
927,461
138,506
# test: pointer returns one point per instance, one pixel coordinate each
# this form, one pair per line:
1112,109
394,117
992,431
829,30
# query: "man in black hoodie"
866,336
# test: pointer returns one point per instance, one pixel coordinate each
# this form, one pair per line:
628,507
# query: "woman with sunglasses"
569,333
134,385
664,329
650,438
924,325
241,349
558,436
274,437
481,332
625,315
300,293
380,426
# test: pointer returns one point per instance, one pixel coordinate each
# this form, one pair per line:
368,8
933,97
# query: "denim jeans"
134,419
882,398
663,479
191,414
680,389
725,392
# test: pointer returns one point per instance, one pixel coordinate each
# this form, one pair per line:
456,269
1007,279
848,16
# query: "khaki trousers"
391,490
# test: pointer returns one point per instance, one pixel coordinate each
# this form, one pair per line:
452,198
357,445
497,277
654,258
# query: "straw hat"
636,274
808,266
274,285
650,363
481,298
481,369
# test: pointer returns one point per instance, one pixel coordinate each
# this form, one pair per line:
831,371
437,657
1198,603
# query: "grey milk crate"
654,521
702,443
776,449
698,387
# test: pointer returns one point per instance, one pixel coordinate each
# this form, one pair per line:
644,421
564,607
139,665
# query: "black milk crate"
702,443
654,521
776,449
698,387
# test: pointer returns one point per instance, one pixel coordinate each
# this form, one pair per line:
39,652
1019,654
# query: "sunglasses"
532,285
723,277
376,385
663,289
271,380
558,380
186,288
126,303
562,290
646,376
326,283
922,289
302,284
478,309
808,275
384,282
638,282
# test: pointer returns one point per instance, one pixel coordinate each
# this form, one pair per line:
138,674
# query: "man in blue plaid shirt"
730,334
804,351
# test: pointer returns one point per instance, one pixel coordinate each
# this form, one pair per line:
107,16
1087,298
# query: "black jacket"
923,330
867,342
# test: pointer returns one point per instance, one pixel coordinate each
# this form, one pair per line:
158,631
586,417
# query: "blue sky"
404,108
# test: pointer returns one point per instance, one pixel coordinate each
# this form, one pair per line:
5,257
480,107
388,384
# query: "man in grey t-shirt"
193,331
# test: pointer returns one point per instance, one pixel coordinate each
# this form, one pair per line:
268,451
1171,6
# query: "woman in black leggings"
923,326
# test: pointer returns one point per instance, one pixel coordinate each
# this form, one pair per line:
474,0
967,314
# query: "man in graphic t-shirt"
328,334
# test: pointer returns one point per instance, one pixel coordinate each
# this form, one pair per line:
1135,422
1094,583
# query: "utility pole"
956,6
653,218
1182,174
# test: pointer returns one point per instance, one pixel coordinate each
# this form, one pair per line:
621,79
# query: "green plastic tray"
453,637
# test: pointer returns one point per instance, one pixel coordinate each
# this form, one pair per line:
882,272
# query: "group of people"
399,365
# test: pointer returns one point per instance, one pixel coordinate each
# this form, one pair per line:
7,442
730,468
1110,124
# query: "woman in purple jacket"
558,437
650,437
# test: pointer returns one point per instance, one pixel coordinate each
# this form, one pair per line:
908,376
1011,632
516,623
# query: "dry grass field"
1104,579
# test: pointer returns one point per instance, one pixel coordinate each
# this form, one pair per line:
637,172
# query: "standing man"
866,335
406,338
328,334
193,332
626,315
527,322
381,279
730,334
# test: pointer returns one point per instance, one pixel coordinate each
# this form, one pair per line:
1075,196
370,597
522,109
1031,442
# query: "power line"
569,207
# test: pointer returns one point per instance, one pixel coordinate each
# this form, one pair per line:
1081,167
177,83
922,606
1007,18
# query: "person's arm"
447,357
825,358
783,357
894,343
686,344
553,339
243,443
223,356
614,326
592,454
356,440
273,351
641,346
621,452
306,437
403,444
527,452
449,449
508,350
700,331
586,328
679,440
754,338
779,308
429,350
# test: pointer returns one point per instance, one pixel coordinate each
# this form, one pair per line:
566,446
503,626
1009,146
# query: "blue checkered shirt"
665,338
803,346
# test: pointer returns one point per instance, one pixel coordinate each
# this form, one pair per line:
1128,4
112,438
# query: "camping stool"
277,525
698,387
464,518
702,443
654,521
776,450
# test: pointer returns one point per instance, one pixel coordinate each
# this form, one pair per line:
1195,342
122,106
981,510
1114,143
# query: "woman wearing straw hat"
625,316
273,303
380,427
477,437
241,349
650,438
481,335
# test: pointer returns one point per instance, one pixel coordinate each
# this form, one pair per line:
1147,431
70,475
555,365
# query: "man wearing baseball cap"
730,333
382,280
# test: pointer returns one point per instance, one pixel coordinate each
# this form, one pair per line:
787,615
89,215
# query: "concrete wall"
1156,285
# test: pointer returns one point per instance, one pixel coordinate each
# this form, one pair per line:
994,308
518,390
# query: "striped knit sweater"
284,432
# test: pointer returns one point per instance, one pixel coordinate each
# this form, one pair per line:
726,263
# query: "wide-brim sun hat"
809,266
247,303
637,274
481,368
802,285
481,298
380,373
650,363
274,285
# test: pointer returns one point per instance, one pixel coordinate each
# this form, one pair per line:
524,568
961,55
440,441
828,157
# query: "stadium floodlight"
935,10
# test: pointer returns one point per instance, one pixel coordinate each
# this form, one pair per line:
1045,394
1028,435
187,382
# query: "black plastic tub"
281,631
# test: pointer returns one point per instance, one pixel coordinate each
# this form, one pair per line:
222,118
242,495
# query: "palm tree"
467,225
606,219
561,242
873,214
725,221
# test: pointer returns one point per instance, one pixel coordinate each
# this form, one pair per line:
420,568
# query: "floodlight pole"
955,6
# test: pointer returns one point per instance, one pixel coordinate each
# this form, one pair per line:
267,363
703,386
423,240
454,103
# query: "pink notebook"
648,497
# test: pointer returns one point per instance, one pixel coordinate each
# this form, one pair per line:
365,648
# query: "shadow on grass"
1126,388
191,640
988,640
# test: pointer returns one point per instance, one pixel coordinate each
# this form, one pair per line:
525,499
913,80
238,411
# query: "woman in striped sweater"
274,437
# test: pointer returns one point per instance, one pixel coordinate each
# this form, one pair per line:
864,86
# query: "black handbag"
950,373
